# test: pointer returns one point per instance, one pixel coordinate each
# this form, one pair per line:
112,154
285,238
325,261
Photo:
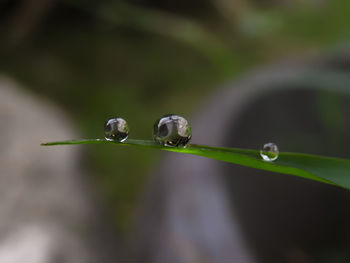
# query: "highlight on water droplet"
269,152
172,130
116,129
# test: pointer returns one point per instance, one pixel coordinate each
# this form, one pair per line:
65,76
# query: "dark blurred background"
143,59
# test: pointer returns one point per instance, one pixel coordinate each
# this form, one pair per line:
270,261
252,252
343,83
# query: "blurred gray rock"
202,210
46,210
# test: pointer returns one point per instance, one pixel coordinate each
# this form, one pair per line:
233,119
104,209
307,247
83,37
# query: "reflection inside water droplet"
172,130
269,152
116,129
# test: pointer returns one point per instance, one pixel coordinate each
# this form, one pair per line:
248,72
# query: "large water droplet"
269,152
172,130
116,129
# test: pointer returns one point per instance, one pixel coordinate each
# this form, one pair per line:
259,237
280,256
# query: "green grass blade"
328,170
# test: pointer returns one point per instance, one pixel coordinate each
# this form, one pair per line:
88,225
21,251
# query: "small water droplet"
172,130
116,129
269,152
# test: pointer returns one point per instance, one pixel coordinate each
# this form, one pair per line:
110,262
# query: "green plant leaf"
335,171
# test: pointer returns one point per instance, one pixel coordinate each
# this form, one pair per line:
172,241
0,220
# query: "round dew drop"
172,130
269,152
116,129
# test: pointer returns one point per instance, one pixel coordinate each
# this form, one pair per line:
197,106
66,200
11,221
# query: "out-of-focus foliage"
142,59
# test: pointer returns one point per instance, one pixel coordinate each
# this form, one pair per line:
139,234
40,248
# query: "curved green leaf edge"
330,170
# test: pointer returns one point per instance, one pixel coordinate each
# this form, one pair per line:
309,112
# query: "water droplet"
269,152
172,130
116,129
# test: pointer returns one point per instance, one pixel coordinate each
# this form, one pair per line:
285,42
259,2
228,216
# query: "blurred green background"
142,59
